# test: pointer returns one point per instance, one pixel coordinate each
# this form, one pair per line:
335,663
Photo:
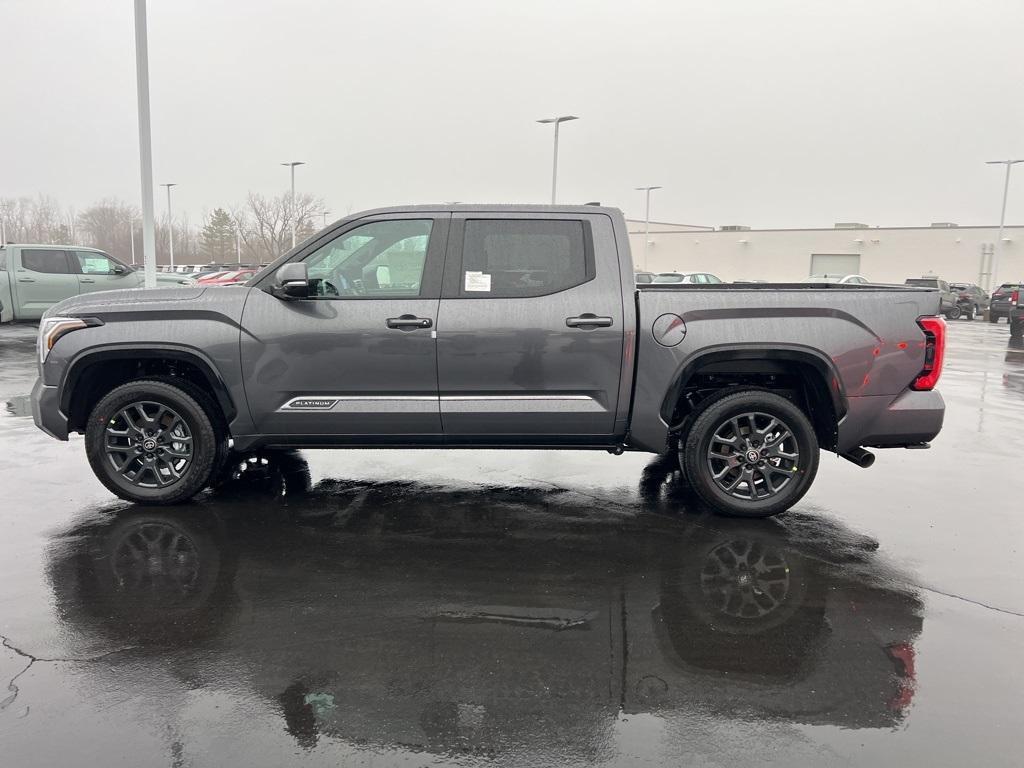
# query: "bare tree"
266,223
107,225
39,220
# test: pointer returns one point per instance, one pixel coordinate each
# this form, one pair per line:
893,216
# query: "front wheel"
152,442
954,312
750,454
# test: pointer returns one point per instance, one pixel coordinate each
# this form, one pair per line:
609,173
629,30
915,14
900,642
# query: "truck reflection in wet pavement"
489,620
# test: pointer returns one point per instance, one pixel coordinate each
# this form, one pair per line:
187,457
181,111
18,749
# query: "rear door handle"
409,322
26,279
588,320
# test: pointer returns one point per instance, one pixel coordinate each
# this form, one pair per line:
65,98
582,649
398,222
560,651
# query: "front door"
99,272
44,277
356,360
530,330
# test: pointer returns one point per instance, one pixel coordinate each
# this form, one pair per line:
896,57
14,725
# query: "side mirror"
119,269
292,281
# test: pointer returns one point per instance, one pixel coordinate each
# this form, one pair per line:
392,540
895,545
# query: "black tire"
794,430
164,480
992,318
954,312
971,313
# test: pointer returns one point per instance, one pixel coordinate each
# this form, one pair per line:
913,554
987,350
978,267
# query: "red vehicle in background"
228,278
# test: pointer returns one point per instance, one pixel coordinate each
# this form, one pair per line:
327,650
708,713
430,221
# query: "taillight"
1015,296
934,351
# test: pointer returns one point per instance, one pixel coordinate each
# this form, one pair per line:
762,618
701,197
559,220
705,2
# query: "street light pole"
647,219
325,213
145,144
993,278
554,161
292,166
170,224
131,234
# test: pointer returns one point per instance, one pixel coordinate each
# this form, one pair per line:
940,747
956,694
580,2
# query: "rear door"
99,272
530,329
357,360
43,278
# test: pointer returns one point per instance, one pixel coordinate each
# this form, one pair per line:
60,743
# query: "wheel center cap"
753,455
149,444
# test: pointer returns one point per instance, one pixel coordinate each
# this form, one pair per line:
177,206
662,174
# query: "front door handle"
409,322
26,279
87,280
588,320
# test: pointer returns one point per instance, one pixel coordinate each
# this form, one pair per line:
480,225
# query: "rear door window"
512,258
46,261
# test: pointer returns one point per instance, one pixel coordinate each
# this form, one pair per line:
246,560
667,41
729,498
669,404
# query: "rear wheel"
992,317
972,312
751,454
954,312
151,441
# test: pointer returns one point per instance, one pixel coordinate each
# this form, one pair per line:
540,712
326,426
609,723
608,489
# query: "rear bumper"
910,418
46,411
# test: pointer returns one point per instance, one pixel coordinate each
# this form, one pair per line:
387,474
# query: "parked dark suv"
1003,299
973,300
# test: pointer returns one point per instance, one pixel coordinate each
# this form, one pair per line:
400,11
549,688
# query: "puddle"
20,405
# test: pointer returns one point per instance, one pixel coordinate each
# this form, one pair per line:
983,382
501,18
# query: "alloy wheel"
149,444
753,456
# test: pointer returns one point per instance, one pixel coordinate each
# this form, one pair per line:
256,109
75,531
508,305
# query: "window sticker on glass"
478,281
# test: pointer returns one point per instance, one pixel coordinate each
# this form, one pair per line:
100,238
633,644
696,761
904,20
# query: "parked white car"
693,278
826,278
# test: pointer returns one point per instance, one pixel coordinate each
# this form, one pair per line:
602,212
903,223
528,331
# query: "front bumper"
910,418
46,411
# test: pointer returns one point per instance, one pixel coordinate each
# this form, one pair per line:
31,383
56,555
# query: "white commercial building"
881,254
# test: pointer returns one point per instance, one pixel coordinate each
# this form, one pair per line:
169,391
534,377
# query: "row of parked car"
35,277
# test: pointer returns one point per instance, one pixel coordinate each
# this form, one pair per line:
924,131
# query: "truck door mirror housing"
292,281
119,269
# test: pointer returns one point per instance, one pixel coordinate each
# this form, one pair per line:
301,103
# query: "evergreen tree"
218,237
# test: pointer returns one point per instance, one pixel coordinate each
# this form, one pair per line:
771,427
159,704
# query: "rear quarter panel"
869,335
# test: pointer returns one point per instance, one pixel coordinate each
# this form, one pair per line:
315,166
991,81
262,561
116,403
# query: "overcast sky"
761,112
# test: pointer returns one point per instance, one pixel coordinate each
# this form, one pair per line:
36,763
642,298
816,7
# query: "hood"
131,299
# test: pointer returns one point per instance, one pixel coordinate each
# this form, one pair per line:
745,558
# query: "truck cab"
35,277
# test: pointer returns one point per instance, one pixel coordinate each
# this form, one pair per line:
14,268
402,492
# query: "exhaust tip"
860,457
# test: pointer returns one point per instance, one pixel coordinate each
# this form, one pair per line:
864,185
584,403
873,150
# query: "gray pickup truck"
491,327
35,277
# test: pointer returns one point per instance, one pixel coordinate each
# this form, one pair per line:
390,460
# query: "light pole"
145,143
554,161
292,166
993,278
325,213
131,234
647,219
170,224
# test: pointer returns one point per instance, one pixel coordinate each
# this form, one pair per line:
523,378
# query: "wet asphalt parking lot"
519,608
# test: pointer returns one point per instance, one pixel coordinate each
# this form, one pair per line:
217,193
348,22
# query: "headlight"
52,328
188,281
